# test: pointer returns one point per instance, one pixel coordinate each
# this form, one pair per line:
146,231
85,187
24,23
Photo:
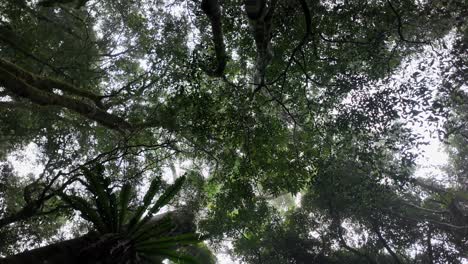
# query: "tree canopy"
273,131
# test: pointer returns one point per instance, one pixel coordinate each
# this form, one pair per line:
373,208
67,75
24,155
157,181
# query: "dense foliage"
295,130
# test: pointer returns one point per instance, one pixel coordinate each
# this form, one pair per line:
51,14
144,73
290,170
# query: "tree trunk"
94,248
62,252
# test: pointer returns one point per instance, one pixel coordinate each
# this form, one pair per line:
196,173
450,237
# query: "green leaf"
124,200
149,230
169,241
114,211
97,187
165,198
86,209
153,189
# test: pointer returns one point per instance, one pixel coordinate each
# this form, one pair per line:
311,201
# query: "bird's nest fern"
131,236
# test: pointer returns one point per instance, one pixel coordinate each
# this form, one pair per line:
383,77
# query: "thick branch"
261,27
28,211
47,84
8,37
425,209
442,225
21,88
429,251
213,11
385,244
62,252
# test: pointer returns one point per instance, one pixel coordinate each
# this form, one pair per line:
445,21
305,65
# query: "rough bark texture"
39,90
261,27
47,84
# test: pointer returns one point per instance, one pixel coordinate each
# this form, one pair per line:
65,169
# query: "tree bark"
213,11
40,91
22,84
58,253
47,84
385,244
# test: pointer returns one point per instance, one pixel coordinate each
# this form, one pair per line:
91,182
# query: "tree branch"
349,248
429,251
13,82
336,222
47,84
400,26
308,23
88,248
29,210
384,242
8,37
213,11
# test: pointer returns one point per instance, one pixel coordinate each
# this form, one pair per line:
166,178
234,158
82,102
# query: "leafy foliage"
132,231
160,87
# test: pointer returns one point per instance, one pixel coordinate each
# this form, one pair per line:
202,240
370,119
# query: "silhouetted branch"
308,22
39,91
400,26
8,37
212,9
385,244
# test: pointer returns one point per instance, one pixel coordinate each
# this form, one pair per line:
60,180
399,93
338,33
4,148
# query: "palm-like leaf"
148,231
168,242
153,189
164,199
124,200
98,188
109,214
114,211
86,209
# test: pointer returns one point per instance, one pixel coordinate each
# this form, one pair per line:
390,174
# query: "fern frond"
86,209
98,188
169,241
153,189
164,199
124,200
148,231
114,211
